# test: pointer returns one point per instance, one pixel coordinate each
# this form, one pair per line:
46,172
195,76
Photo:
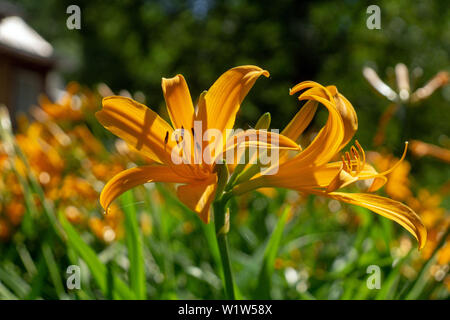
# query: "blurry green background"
132,44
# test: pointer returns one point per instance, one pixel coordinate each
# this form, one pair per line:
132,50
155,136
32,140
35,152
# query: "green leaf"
133,240
266,272
53,269
424,274
97,268
5,294
390,285
38,280
13,281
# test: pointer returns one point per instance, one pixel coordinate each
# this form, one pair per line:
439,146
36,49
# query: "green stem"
221,226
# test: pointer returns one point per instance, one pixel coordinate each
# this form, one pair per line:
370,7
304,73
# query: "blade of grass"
133,240
164,225
266,272
390,285
97,268
53,270
387,229
38,280
14,282
110,281
424,275
85,292
349,288
26,258
5,294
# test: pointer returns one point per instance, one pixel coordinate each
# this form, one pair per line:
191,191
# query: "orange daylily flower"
147,132
312,170
66,108
404,96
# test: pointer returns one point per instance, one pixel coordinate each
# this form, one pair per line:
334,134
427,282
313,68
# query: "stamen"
345,164
349,161
361,150
355,155
397,164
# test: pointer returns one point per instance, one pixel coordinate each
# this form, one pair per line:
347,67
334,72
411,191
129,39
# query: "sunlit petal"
178,102
329,139
348,115
301,120
198,197
388,208
224,98
133,177
138,126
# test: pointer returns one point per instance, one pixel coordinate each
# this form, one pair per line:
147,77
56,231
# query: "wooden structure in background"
25,60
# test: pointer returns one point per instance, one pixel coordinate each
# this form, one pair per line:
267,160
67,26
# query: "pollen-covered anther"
355,160
361,150
166,138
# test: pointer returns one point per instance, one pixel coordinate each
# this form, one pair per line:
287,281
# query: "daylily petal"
198,197
330,176
327,142
388,208
296,178
224,98
369,172
420,149
301,178
348,115
178,102
377,183
343,179
301,120
262,147
379,178
133,177
298,124
373,78
262,138
329,139
138,126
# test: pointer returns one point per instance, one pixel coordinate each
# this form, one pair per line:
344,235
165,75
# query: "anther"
349,161
345,164
356,156
166,139
361,150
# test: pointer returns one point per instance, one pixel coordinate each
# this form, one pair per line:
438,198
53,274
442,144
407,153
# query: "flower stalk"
222,226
